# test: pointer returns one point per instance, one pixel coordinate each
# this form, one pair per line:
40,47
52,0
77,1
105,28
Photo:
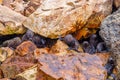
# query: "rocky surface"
110,32
16,64
117,3
71,67
60,48
25,7
27,47
10,21
5,52
55,18
32,71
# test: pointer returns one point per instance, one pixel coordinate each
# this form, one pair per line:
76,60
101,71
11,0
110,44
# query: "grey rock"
12,43
110,32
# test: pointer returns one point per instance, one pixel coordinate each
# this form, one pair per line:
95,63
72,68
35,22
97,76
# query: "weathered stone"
60,48
39,51
10,22
25,48
110,32
12,43
31,7
5,79
1,74
54,17
117,3
28,74
71,67
5,52
25,7
16,64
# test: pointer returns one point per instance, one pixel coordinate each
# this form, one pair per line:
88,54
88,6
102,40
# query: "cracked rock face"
71,67
54,17
110,32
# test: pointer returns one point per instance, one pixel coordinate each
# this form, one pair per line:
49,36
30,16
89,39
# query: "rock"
16,64
31,7
110,32
5,52
25,7
60,48
54,18
1,74
117,3
71,67
5,79
12,43
39,51
26,47
10,22
28,74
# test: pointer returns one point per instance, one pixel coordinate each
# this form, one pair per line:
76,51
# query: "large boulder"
110,32
10,21
60,17
71,67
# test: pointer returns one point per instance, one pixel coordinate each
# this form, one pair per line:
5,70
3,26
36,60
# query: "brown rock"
39,51
25,48
25,7
54,17
117,3
5,52
31,7
5,79
16,64
60,48
1,74
71,67
10,22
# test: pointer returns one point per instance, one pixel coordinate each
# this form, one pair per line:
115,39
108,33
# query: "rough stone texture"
28,74
60,48
39,51
71,67
1,74
10,22
110,32
117,3
60,17
25,7
5,52
16,64
31,7
26,47
5,79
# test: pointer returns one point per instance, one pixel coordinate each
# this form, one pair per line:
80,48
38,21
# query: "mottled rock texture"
10,21
110,32
60,17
